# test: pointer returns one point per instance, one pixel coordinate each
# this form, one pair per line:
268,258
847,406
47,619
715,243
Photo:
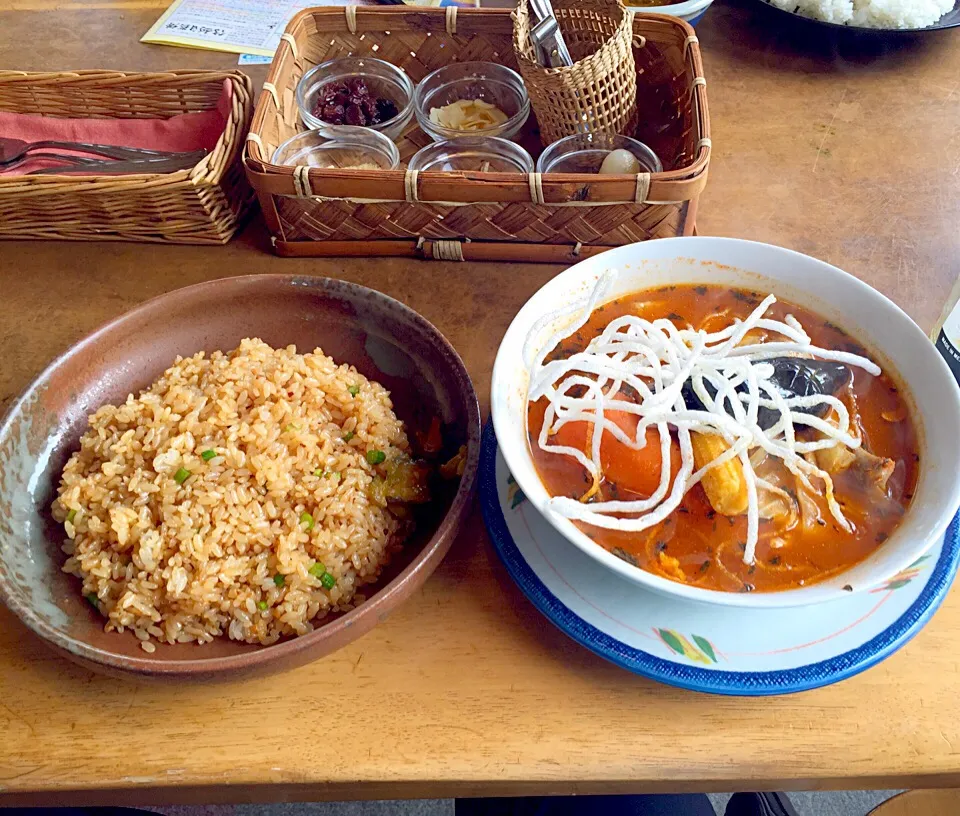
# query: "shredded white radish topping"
654,359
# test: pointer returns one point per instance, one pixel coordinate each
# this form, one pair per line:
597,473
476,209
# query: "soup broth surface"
700,547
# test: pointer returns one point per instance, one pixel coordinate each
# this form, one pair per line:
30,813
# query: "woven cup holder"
598,92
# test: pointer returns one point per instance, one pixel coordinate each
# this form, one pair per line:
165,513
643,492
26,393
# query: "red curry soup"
722,439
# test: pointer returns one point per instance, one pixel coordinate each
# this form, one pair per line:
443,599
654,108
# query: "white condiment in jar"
591,152
620,162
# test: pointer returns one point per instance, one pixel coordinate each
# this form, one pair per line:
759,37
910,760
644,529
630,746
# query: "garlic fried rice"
241,494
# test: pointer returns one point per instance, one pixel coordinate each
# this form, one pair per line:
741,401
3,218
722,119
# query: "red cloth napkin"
188,131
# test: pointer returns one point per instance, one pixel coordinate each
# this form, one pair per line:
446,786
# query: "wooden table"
845,150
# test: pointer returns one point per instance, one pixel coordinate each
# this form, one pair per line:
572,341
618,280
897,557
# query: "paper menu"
240,26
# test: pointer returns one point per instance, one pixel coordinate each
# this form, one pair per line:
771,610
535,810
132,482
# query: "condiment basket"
201,205
466,215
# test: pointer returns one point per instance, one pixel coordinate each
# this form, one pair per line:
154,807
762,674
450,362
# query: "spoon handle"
109,151
161,164
41,154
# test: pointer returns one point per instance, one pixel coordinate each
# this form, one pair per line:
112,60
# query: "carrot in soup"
635,470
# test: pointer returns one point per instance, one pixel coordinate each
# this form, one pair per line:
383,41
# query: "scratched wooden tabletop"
848,150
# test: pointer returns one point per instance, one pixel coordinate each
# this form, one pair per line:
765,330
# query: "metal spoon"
42,154
13,149
546,35
149,164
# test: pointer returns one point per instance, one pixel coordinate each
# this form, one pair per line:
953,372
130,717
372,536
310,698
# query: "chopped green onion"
278,579
348,436
317,570
328,581
93,600
354,390
262,605
71,516
318,473
207,455
307,519
291,427
376,457
181,476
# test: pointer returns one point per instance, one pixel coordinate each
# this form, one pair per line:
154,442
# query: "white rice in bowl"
233,497
889,14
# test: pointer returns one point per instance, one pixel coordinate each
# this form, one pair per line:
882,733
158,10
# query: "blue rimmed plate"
723,650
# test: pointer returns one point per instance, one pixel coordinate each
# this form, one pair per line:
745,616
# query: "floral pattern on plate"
727,650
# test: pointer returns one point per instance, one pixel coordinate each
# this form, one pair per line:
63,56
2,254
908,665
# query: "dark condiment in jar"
351,103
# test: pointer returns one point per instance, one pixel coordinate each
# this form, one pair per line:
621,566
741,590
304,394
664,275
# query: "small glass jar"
383,81
488,81
340,147
484,154
585,152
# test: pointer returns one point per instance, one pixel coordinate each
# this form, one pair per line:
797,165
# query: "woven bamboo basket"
202,205
467,215
599,91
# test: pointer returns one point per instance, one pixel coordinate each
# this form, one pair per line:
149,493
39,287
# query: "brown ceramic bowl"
384,339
